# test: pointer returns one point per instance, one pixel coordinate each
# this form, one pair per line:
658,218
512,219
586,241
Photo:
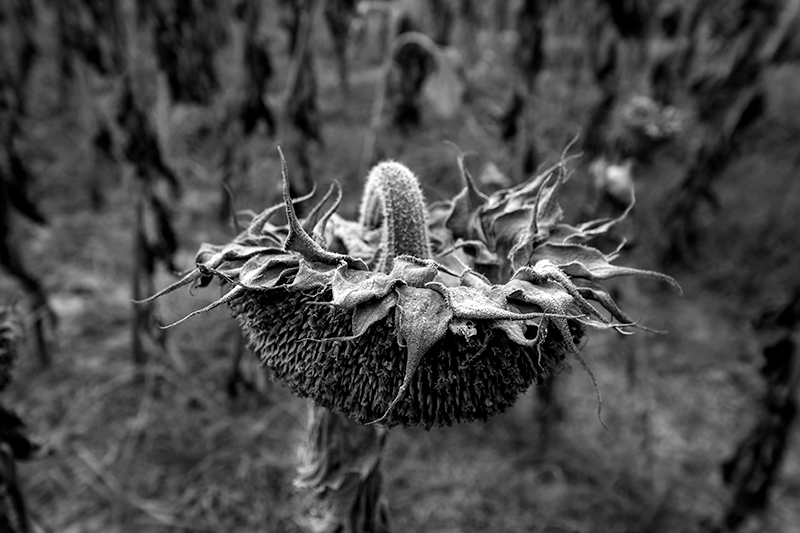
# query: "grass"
167,450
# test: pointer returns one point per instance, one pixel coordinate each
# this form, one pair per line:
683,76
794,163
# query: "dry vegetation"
167,450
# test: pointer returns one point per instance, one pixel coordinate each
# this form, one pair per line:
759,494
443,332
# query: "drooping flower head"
416,316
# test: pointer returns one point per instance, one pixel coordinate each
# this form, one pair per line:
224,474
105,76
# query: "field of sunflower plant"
448,266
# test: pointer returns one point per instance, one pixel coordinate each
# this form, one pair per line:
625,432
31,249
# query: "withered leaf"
461,219
468,302
479,252
353,287
510,228
547,277
422,320
264,271
515,330
549,211
580,261
371,312
413,271
311,276
470,278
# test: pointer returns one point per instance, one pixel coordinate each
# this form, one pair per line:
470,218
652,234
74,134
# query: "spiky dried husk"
425,342
458,380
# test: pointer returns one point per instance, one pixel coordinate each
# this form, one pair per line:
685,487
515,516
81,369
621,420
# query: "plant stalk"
340,474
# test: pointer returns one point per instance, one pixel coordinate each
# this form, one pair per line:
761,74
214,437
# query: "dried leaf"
210,255
263,272
515,331
461,219
352,288
371,312
423,318
353,237
580,261
554,301
599,294
313,276
413,271
548,210
365,315
470,278
479,252
547,277
511,228
476,304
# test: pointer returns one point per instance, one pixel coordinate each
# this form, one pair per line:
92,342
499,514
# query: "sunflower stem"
340,475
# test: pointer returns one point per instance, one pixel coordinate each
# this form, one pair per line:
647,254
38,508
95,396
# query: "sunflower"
413,315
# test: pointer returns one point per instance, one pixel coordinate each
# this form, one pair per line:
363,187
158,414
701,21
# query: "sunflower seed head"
406,339
461,378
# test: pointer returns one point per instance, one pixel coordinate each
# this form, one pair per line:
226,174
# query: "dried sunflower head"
360,318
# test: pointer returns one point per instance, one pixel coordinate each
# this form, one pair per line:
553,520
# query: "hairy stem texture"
393,201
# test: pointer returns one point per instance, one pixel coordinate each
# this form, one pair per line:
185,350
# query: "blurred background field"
161,444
